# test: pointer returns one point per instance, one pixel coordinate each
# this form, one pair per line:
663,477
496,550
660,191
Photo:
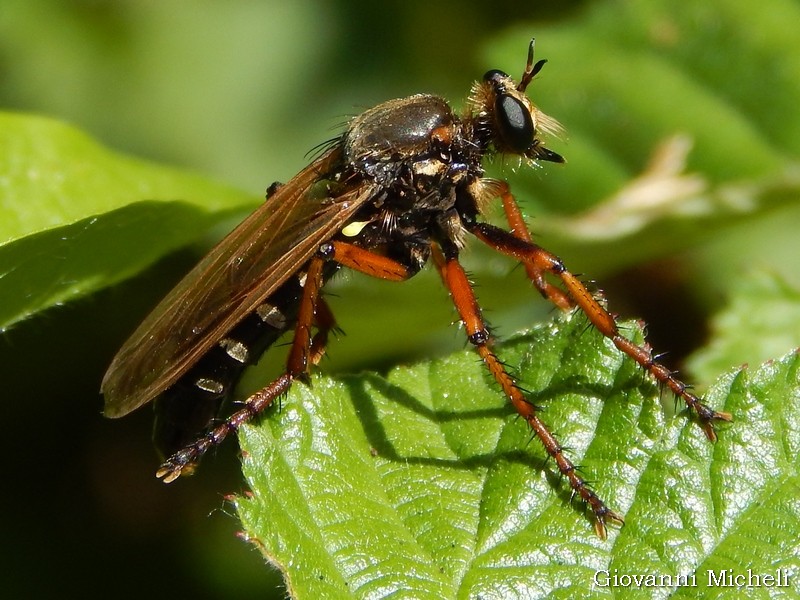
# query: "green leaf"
76,217
425,483
761,320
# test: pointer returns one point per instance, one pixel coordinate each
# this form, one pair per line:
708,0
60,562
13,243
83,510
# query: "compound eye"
495,75
515,123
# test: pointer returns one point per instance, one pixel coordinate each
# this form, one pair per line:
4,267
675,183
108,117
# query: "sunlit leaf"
424,481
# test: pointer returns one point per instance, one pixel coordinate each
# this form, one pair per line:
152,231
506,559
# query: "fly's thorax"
395,132
413,153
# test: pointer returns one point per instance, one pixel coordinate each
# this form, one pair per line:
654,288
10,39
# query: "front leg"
466,304
520,230
539,262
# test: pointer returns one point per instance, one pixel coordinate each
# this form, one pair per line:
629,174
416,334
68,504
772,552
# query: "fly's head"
505,120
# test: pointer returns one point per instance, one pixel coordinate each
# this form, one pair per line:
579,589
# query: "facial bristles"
547,125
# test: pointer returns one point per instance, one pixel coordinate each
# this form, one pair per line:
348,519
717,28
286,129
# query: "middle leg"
466,304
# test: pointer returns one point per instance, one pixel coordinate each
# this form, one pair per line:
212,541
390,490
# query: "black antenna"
531,69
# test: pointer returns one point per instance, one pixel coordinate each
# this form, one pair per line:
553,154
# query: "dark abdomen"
187,409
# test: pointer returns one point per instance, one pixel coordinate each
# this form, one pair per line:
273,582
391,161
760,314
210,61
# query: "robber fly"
403,184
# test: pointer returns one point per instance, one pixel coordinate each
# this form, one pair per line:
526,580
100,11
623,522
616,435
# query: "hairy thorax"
426,169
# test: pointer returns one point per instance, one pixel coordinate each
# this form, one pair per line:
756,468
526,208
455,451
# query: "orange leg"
325,322
306,349
365,261
539,262
520,230
478,334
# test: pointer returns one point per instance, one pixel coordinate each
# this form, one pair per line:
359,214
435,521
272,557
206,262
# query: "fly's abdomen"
193,403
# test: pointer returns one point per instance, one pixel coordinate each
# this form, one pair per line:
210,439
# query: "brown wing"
229,283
